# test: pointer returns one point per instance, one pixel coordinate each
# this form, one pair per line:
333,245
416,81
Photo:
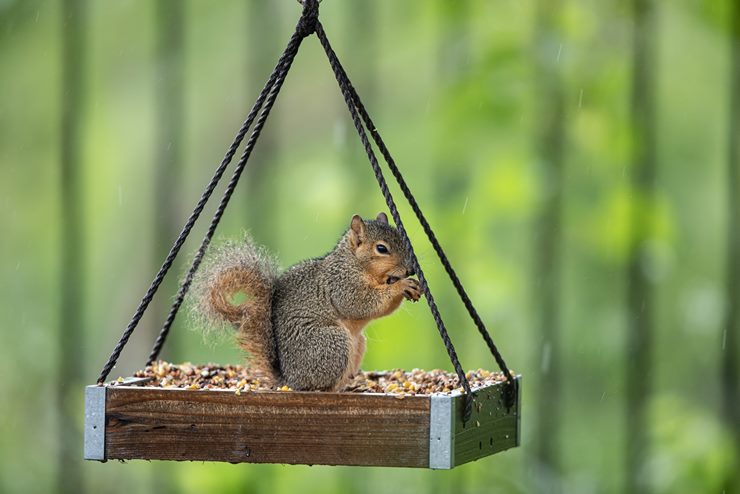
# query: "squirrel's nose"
410,272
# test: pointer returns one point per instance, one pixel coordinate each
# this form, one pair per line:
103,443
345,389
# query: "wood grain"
267,427
298,428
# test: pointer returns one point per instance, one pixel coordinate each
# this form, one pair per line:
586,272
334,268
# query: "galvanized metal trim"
518,410
94,445
441,434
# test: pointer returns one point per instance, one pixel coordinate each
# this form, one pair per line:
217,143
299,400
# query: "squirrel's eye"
382,249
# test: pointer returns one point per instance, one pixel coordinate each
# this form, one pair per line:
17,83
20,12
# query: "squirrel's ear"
382,218
356,231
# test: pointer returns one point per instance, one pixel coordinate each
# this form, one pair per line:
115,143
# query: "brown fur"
232,269
305,325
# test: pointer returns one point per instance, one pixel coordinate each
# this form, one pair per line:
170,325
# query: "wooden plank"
267,427
302,428
492,426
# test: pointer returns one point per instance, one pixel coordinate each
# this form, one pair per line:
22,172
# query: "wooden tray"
129,421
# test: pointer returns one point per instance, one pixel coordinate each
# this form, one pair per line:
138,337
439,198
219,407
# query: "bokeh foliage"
454,88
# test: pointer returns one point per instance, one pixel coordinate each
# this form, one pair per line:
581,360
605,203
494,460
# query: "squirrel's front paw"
411,289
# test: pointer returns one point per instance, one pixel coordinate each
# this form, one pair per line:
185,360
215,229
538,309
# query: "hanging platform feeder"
130,420
134,420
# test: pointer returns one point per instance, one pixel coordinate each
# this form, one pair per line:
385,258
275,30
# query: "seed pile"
418,382
241,379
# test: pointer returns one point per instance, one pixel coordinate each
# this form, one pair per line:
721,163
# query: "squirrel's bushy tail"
234,287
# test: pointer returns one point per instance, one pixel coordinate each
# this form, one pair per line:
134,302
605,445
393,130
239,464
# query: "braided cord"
304,28
198,258
308,24
427,229
347,91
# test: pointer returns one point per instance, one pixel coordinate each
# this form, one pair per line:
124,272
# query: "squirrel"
304,327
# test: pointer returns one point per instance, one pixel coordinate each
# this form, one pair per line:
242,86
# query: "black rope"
185,286
308,24
347,91
304,28
425,224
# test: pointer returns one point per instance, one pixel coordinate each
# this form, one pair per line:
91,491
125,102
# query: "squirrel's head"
378,247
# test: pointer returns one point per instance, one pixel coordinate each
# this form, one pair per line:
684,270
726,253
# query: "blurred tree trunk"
452,180
168,216
640,305
359,47
730,368
550,143
263,45
453,50
72,273
170,116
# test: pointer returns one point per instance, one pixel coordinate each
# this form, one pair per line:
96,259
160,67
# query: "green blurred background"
578,160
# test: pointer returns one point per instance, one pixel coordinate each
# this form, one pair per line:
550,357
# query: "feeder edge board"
132,422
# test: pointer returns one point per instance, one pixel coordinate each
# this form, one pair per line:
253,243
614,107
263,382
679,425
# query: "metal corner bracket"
94,444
